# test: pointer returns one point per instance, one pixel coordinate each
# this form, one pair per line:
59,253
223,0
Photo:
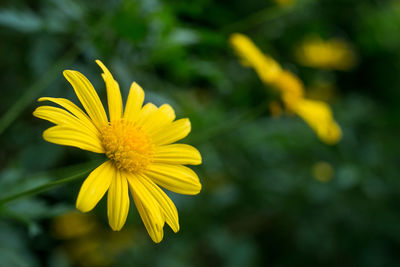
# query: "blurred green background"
266,200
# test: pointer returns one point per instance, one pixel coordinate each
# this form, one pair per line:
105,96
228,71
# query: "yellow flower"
332,54
139,144
318,116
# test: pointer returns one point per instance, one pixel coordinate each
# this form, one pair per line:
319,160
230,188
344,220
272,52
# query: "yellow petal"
71,107
318,116
67,136
163,116
64,118
134,102
176,178
88,97
265,66
150,203
165,203
154,229
148,208
95,186
118,202
172,132
177,154
147,111
113,93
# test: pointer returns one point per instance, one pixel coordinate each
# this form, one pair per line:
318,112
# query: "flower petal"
71,107
165,203
148,208
147,111
113,93
176,178
177,154
134,102
163,116
172,132
88,97
154,229
118,201
318,115
64,118
95,186
64,135
145,197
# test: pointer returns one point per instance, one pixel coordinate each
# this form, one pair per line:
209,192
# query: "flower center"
127,145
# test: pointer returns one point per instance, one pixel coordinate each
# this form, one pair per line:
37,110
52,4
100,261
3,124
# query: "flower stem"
83,169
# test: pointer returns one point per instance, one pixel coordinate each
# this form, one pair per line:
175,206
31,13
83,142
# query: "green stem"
33,191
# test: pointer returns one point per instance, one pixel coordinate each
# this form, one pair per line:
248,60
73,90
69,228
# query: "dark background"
264,202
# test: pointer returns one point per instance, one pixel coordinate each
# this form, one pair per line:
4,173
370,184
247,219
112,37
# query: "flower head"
316,114
138,142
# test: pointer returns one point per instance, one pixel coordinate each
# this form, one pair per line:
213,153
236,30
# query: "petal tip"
66,73
79,206
116,228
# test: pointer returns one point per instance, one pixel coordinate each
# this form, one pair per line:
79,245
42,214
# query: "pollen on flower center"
127,145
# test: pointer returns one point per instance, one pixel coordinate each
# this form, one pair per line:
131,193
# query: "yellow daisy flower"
316,114
138,142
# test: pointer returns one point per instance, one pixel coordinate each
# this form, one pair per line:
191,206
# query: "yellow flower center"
127,145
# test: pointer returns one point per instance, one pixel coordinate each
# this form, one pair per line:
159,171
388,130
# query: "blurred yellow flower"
139,144
332,54
290,86
72,225
322,171
88,243
316,114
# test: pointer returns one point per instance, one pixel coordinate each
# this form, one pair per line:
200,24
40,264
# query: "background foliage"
266,200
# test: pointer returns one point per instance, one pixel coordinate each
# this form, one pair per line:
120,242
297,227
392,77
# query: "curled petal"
87,95
71,107
148,208
154,228
113,93
64,118
164,202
